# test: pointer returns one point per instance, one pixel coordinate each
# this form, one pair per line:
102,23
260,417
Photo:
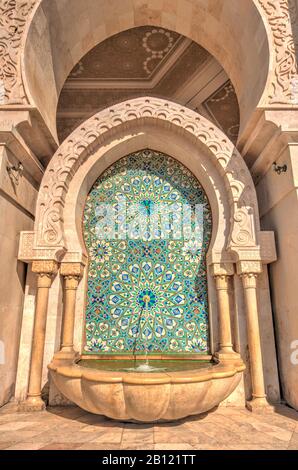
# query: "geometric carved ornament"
93,132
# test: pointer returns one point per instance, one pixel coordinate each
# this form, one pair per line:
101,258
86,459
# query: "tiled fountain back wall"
146,291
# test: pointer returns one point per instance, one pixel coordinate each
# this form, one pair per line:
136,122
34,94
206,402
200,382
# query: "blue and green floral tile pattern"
147,294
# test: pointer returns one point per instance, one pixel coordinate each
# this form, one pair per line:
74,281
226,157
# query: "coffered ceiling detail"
128,59
142,61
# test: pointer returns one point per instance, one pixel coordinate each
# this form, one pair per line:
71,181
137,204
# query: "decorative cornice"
282,17
13,18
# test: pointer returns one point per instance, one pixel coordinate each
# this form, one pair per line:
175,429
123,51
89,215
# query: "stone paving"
72,428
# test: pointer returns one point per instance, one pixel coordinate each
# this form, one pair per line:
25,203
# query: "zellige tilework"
146,290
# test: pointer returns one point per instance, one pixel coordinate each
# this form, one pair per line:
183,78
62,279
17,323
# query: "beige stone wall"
278,196
17,206
12,282
12,285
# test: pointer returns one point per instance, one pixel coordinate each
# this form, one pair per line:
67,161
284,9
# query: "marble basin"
147,397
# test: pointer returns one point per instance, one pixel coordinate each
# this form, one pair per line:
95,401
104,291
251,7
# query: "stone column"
72,273
222,272
249,272
45,271
225,336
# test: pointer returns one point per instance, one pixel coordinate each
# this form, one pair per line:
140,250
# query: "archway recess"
52,47
55,242
229,188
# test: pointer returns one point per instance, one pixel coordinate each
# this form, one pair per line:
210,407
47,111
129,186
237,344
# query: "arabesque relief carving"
75,149
13,17
283,19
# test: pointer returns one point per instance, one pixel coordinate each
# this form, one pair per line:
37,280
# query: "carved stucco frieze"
282,17
249,267
26,246
14,14
28,251
76,148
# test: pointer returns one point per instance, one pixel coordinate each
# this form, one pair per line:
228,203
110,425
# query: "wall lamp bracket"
279,169
15,172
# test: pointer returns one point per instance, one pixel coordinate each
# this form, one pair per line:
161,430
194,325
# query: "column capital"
222,269
72,270
44,280
221,281
249,280
45,267
45,271
71,281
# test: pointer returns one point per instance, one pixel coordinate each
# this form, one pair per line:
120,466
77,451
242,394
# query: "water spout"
143,367
146,300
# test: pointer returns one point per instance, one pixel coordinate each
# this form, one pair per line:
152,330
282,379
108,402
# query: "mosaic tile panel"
148,292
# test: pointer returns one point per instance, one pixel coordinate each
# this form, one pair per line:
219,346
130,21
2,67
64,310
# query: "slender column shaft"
39,331
71,273
45,271
70,288
253,332
225,336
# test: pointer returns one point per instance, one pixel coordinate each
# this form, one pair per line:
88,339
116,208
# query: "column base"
224,356
63,357
259,405
32,404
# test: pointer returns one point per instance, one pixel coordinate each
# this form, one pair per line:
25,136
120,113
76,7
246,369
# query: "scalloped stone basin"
147,397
